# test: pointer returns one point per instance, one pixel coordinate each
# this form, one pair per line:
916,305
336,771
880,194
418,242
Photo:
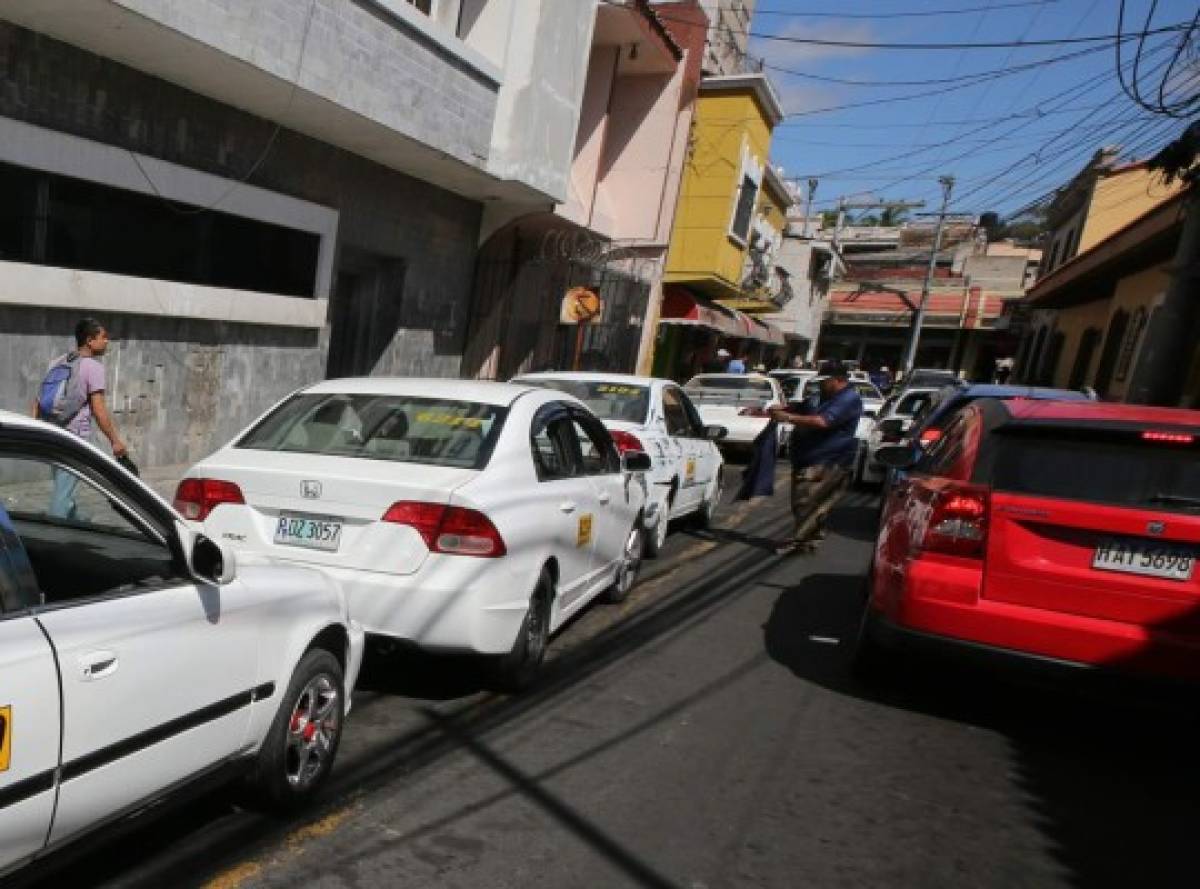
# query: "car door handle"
97,664
604,499
567,506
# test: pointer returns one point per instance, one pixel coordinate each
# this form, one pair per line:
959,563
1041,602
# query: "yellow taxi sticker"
5,737
449,420
690,469
609,389
584,535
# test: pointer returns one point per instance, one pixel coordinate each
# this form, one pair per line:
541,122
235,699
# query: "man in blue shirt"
823,448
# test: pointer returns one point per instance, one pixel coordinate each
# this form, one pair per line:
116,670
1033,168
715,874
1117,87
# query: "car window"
554,444
1118,469
913,403
678,422
952,455
692,413
598,454
71,538
399,428
611,400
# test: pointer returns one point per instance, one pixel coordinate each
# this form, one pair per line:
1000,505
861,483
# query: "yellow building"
728,227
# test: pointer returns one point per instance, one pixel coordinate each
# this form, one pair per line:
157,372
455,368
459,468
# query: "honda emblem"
311,489
1156,528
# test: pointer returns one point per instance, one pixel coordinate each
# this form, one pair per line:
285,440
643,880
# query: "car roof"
480,391
590,376
1099,412
995,390
749,376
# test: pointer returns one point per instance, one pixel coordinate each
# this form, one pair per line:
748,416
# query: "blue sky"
1001,152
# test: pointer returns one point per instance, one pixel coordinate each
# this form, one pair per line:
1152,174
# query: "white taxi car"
135,658
894,419
739,402
459,516
654,416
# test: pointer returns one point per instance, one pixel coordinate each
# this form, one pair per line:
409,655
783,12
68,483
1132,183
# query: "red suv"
1058,532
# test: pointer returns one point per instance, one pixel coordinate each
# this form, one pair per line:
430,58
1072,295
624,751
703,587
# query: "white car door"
29,733
683,435
616,504
566,503
708,458
157,671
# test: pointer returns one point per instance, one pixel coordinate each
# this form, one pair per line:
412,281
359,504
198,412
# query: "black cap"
837,370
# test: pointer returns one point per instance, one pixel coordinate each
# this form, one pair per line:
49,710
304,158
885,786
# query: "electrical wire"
912,14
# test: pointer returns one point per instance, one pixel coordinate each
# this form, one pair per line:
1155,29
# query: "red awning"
681,306
767,333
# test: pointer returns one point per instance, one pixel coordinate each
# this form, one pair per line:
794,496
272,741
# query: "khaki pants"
815,491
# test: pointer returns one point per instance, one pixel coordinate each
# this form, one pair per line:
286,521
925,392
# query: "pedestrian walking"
718,363
736,365
72,396
822,447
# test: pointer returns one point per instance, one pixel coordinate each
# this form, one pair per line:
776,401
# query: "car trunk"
352,492
1099,526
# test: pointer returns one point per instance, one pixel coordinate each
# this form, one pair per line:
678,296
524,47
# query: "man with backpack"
72,396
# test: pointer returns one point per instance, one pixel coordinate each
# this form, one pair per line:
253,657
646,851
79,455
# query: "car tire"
631,564
516,670
298,753
869,661
704,515
656,538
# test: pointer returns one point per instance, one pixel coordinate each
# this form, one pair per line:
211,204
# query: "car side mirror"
897,456
635,461
892,428
212,562
715,433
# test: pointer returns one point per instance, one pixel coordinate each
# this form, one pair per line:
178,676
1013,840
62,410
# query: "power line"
925,13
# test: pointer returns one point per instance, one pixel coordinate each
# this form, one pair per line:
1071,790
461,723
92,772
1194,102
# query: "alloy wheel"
312,731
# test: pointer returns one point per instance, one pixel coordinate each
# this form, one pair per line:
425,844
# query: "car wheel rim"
660,530
631,560
312,731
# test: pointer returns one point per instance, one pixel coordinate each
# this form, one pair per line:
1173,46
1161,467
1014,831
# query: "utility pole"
808,204
910,354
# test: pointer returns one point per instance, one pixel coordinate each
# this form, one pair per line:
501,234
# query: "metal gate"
520,281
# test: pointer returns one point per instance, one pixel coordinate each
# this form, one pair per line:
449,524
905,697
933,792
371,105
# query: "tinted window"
608,401
1121,471
555,446
398,428
952,455
596,449
913,404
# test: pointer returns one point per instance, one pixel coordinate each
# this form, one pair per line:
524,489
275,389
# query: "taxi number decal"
690,468
619,390
450,420
584,535
5,737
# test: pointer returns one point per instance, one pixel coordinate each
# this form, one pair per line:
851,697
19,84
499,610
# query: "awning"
767,333
681,306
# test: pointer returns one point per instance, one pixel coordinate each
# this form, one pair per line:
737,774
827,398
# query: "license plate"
1170,561
309,532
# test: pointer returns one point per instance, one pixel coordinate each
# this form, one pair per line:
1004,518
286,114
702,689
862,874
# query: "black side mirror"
715,433
897,456
212,562
635,461
891,428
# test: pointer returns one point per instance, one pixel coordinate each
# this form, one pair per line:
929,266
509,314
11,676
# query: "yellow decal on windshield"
609,389
449,420
5,737
584,535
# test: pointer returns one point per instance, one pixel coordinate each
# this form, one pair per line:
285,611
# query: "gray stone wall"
215,378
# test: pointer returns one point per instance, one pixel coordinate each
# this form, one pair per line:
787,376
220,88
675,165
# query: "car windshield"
399,428
1121,471
733,384
626,402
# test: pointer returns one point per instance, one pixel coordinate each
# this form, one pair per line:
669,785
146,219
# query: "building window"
1129,344
47,219
744,209
1083,358
1053,258
425,6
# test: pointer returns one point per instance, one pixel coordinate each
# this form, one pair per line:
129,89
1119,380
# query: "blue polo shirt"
835,445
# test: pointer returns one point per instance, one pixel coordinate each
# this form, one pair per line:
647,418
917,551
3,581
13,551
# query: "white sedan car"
458,516
654,416
134,657
739,402
893,420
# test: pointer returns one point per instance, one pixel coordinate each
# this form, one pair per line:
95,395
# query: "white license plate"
310,532
1170,561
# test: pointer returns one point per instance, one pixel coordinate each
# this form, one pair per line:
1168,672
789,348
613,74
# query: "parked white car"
894,419
459,516
739,402
135,656
657,417
792,380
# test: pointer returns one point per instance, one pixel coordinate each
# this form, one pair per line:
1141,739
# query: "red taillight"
1168,437
753,412
454,530
958,522
929,436
195,498
626,441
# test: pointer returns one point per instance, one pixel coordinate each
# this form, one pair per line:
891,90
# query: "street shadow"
855,521
1108,776
728,535
409,672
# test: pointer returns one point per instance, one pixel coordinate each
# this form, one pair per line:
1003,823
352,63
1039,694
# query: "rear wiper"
1176,500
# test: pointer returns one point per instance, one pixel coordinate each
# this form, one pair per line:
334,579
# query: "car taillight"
958,522
454,530
195,498
753,412
626,441
929,436
1168,437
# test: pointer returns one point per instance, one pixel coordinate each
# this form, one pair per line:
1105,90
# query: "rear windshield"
608,401
398,428
912,404
1118,472
734,384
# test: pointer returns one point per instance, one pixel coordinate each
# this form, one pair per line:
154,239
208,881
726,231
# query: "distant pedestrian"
736,366
71,396
718,363
1004,369
823,447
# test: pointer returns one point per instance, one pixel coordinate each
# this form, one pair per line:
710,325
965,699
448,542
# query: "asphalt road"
706,733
